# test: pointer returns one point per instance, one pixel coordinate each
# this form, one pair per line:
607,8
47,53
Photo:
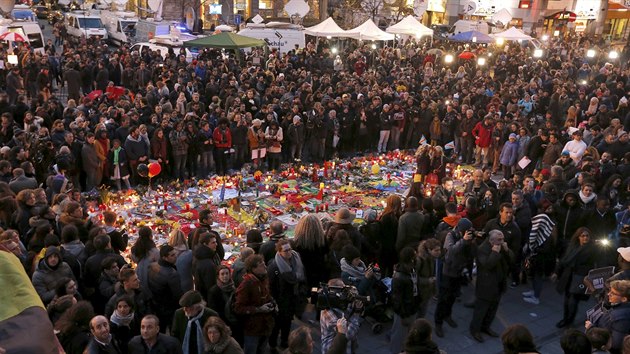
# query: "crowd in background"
555,128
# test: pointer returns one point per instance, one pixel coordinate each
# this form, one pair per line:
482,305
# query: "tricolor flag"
24,323
449,146
423,140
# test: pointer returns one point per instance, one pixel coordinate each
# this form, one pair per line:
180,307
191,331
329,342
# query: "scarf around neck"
116,153
357,272
121,320
195,320
586,199
226,287
293,266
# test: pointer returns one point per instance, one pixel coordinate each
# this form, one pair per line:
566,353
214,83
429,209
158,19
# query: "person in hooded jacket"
205,263
48,273
568,215
459,251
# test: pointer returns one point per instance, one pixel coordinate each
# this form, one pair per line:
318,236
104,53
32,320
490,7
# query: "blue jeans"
206,162
255,344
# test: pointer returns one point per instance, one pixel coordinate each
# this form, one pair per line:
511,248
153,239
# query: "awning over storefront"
563,15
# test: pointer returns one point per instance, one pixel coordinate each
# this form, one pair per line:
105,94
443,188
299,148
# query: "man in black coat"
506,224
165,281
93,265
205,220
101,341
205,263
151,340
493,268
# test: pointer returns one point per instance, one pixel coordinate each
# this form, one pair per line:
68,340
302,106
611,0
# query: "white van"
163,43
27,29
81,23
279,35
120,26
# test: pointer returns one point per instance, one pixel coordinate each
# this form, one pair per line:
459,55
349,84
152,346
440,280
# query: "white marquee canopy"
410,26
369,31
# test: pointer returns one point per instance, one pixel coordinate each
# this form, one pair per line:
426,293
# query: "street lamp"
538,53
613,54
448,58
481,61
590,53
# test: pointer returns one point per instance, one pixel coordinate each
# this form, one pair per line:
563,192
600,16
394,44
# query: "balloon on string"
143,170
154,169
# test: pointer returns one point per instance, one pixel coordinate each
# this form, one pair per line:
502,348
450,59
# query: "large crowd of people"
549,196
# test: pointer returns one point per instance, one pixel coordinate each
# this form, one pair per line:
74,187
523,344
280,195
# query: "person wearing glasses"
617,318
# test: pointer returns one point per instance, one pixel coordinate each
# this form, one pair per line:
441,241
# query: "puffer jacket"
45,279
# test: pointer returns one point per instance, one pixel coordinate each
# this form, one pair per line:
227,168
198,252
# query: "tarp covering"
225,40
472,36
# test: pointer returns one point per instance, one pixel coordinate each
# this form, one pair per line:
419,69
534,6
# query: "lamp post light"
448,58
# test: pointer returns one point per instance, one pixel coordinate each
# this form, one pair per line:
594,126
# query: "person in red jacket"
483,138
255,305
222,144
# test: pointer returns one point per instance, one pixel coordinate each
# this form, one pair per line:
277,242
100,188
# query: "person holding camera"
493,268
331,316
355,273
255,305
459,250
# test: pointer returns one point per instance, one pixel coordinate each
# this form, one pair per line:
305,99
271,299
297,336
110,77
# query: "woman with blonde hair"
177,239
310,244
592,107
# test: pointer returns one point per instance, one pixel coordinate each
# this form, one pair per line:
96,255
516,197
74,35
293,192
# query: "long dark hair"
575,239
144,244
76,318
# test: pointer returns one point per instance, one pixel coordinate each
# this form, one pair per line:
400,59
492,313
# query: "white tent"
326,28
512,34
368,31
410,26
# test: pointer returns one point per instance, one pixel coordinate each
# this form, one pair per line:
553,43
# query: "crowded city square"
362,191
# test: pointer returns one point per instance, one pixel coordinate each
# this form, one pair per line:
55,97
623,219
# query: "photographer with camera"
494,259
355,273
460,250
348,308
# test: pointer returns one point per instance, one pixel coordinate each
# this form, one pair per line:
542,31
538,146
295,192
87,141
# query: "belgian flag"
24,324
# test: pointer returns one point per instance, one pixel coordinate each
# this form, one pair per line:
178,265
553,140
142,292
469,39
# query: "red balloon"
154,169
